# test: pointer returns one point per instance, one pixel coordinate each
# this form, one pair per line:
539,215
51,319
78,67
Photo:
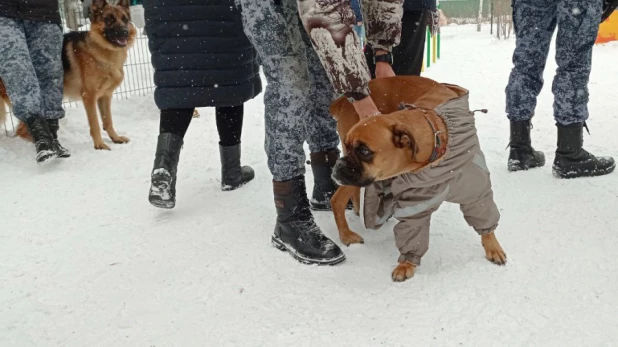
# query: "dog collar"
438,150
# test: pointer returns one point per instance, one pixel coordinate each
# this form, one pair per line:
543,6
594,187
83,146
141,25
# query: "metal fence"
138,78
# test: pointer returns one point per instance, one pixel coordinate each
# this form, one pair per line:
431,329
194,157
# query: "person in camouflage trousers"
308,60
31,70
578,24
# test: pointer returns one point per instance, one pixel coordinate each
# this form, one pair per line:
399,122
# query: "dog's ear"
125,3
96,8
335,108
402,138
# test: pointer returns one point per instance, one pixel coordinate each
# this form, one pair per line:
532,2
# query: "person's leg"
273,29
534,22
229,126
17,71
408,56
321,129
578,26
22,86
175,121
172,129
45,46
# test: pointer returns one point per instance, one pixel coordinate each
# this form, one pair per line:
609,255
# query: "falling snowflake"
576,11
185,27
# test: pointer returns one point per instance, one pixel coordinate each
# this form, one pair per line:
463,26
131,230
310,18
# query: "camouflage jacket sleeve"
330,27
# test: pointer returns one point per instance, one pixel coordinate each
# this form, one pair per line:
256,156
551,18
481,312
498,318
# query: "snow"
86,260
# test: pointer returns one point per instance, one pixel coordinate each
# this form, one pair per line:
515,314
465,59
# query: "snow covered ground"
86,261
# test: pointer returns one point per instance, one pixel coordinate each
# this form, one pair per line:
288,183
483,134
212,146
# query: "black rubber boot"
53,129
324,187
522,155
296,231
46,149
233,176
572,160
163,188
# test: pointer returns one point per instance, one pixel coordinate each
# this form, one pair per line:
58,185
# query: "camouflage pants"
535,21
31,67
298,93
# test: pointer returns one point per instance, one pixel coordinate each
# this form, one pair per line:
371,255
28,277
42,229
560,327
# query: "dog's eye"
125,19
363,151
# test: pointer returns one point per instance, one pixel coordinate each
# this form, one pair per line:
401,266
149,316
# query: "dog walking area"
85,260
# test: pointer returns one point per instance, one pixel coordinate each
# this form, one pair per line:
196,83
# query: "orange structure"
608,31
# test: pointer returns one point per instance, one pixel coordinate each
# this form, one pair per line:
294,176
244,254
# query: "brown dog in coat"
423,150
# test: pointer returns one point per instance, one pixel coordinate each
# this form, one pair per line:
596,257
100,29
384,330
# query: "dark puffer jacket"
200,54
35,10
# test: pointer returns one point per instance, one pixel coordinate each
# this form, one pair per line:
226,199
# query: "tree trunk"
480,17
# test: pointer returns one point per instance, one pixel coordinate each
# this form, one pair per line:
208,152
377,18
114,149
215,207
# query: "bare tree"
480,17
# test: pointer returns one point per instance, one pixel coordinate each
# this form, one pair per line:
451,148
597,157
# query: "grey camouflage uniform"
535,21
31,67
298,93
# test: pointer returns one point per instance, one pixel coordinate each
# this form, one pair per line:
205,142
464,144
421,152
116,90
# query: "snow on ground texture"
86,261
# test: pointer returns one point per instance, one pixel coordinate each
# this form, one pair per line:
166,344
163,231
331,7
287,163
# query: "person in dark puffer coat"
202,58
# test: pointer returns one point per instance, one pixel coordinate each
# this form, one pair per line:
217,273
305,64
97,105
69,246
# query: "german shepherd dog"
93,66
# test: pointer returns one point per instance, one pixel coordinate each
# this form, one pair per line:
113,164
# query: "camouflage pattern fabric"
298,93
31,67
535,21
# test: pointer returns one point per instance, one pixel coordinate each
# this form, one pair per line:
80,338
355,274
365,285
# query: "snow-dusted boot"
46,149
522,155
233,176
572,160
163,188
324,187
296,231
53,128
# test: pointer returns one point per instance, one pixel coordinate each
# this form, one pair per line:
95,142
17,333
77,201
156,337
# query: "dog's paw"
349,237
101,145
403,271
493,251
120,139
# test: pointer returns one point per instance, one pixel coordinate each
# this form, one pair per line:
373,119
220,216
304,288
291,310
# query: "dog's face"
377,148
112,22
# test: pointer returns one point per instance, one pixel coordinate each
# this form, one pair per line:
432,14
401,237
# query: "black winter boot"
53,128
46,149
233,176
296,231
572,160
324,187
163,188
522,155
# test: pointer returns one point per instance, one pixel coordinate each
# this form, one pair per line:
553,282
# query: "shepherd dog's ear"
402,138
125,3
96,8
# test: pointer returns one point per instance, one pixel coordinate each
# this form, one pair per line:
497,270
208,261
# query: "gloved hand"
608,8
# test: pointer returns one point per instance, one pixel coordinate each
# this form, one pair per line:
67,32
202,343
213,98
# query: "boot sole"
516,166
46,158
574,174
282,246
161,187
